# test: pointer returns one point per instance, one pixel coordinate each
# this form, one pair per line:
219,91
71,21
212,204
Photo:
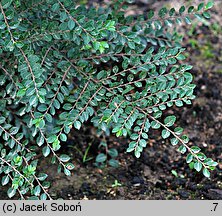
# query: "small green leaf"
182,149
64,158
187,20
6,3
150,14
56,145
43,196
119,133
182,9
37,190
48,117
42,176
137,154
206,173
42,108
51,138
101,74
155,125
195,149
11,192
142,143
77,125
162,12
134,136
169,120
101,158
96,45
55,7
46,151
113,163
174,141
197,166
172,11
63,137
70,166
67,172
185,138
67,106
191,165
191,9
33,100
19,44
174,172
5,180
113,152
130,149
209,5
2,119
21,92
181,57
42,124
206,15
165,133
131,45
71,24
178,130
200,6
131,146
189,158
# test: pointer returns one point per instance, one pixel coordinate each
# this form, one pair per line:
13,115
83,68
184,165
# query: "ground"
161,172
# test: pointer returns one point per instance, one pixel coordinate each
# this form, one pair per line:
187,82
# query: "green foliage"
116,184
63,65
108,155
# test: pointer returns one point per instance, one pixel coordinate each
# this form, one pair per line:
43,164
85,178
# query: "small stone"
137,181
215,194
85,198
147,171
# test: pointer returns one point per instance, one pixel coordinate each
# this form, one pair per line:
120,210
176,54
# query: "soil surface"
161,172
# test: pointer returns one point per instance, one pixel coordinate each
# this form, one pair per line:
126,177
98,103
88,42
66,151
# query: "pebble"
137,181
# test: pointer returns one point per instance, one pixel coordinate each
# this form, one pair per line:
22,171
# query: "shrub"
63,65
